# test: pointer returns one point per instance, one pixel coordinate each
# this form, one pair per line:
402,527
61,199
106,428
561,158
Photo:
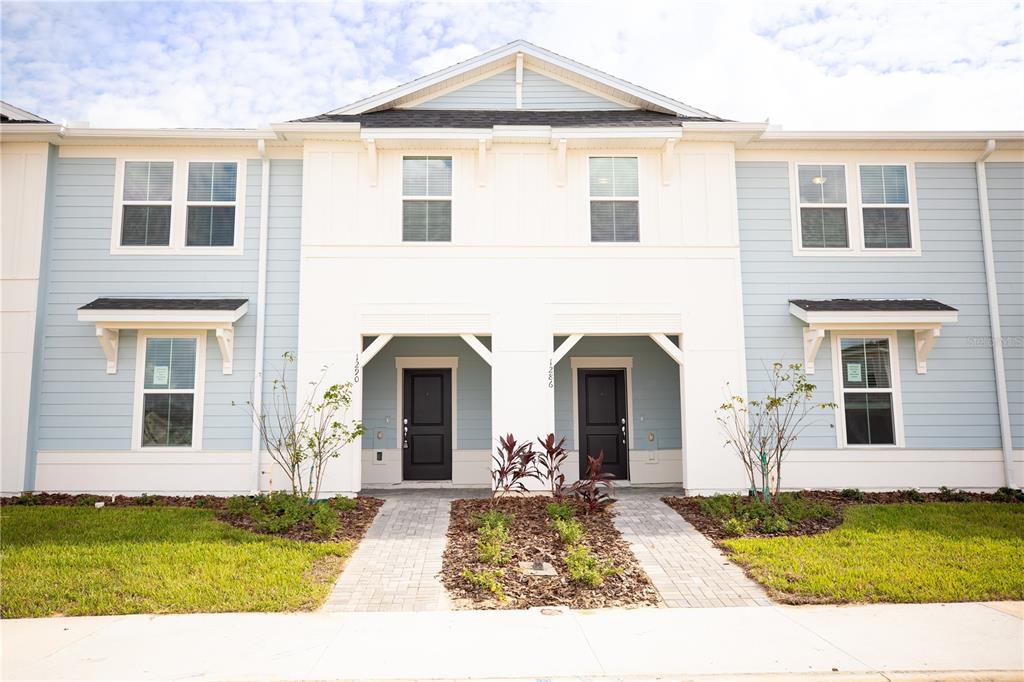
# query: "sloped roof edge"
529,49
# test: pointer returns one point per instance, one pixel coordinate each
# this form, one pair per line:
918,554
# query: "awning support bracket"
813,337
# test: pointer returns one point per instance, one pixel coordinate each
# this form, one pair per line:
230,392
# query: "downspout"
1002,400
261,312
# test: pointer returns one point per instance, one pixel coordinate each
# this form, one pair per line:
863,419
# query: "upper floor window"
885,206
823,216
210,216
614,199
146,208
427,198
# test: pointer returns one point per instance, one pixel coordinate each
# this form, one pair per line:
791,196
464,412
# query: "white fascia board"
895,318
507,51
312,127
124,319
889,135
169,134
29,132
637,133
424,133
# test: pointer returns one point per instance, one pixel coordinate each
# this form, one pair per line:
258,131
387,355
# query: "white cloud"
810,65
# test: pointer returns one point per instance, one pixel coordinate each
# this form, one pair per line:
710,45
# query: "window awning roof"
923,316
110,315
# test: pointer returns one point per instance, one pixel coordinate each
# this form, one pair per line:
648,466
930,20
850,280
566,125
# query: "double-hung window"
210,205
868,393
823,209
885,207
614,199
146,203
167,413
427,199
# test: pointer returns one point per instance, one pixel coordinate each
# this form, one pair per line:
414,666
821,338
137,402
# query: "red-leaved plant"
593,490
549,462
514,463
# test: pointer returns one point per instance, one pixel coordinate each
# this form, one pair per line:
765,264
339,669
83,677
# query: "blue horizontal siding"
954,404
80,406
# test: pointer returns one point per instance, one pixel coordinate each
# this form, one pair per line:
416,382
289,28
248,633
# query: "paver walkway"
396,566
684,566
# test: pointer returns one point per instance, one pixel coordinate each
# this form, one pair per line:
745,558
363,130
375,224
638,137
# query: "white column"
521,401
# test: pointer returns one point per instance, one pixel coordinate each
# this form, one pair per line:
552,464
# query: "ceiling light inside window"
819,179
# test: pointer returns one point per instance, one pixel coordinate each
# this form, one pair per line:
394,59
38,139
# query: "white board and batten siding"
950,418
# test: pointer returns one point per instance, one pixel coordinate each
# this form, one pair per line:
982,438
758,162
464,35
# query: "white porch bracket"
226,343
666,345
564,348
560,164
481,162
375,347
924,340
813,336
108,339
477,345
371,157
668,157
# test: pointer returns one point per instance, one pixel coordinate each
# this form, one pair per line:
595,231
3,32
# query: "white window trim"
198,391
915,237
638,199
405,363
179,207
854,211
583,362
839,393
412,197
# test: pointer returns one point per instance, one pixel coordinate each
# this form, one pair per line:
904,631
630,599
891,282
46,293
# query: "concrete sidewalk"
857,642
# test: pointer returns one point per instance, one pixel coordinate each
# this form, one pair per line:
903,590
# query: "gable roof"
12,114
599,82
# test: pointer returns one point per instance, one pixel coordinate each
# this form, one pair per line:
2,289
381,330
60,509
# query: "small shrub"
561,511
774,523
239,506
277,512
593,488
913,495
27,500
586,568
549,463
512,465
325,520
950,495
342,503
492,518
491,552
735,527
487,580
1005,494
720,506
852,494
493,533
569,530
88,500
795,508
145,500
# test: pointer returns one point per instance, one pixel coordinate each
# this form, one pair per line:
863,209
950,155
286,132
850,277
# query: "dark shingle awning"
165,304
923,316
870,305
111,315
483,118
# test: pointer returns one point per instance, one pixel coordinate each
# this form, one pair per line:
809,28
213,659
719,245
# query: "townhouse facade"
516,244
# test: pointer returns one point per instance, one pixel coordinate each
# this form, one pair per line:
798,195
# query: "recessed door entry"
427,425
603,420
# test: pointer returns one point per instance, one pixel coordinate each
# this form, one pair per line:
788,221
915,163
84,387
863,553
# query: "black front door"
603,422
427,425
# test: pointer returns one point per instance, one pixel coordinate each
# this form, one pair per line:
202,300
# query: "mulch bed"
689,509
353,522
533,539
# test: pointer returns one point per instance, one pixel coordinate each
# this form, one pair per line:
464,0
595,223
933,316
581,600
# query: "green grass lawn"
897,553
86,561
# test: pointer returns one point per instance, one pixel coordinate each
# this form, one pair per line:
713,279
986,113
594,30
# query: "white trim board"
583,362
447,362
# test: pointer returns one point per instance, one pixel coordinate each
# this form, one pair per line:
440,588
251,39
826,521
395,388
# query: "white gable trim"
646,98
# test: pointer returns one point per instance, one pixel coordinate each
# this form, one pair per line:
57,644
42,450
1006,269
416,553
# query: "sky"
804,66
